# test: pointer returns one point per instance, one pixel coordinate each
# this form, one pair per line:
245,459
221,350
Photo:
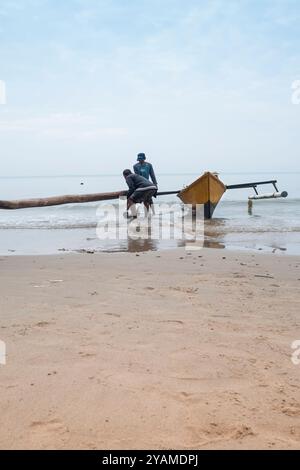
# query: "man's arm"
152,175
136,169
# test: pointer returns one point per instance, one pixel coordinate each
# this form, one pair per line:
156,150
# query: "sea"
273,226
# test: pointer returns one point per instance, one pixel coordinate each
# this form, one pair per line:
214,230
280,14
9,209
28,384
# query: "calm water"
274,225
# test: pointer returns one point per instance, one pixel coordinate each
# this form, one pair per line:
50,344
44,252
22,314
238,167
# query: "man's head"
141,157
126,173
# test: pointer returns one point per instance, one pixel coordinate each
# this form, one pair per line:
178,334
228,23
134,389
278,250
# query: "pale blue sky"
204,84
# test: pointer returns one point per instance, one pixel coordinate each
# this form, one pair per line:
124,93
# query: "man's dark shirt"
135,182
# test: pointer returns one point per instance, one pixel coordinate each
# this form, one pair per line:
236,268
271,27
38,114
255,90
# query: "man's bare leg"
147,206
131,205
152,207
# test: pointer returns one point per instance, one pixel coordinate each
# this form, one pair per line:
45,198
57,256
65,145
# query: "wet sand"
168,350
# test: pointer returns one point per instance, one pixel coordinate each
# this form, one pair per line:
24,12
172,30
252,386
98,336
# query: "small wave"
251,231
88,206
213,229
58,226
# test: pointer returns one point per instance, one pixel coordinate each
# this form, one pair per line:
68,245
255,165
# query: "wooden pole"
59,200
68,199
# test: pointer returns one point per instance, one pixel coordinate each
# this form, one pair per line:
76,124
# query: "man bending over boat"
141,190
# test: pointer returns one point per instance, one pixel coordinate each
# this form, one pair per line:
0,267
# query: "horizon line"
159,174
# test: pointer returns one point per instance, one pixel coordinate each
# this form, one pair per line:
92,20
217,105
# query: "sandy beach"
162,350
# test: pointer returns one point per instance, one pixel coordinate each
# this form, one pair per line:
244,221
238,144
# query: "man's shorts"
143,196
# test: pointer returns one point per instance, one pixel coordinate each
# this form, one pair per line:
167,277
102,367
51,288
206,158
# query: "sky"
195,84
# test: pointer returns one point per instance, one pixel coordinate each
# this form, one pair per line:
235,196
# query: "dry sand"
163,350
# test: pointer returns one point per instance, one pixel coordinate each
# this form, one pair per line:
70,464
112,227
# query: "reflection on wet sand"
214,233
213,244
151,244
211,239
135,246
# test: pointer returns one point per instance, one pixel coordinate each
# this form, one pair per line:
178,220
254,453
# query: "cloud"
66,126
171,76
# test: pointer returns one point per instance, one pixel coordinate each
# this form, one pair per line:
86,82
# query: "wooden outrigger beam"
275,195
253,185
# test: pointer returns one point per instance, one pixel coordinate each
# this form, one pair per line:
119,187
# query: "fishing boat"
207,190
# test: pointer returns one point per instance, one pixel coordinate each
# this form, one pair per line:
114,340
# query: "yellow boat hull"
206,190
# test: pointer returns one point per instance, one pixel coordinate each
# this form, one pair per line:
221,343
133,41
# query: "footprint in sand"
52,373
178,322
186,290
292,410
215,432
42,324
54,426
83,354
112,315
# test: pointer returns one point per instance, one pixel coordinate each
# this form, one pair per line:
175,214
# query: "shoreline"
168,349
90,252
36,242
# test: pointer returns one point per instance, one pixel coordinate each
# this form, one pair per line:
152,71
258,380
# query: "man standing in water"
145,169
